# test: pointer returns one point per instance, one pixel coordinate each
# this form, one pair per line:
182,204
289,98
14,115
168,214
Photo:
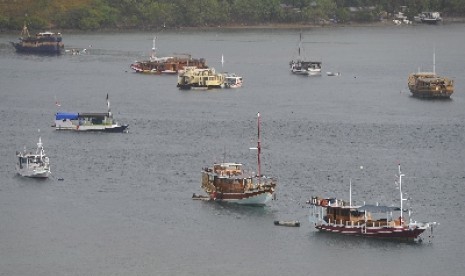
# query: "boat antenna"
108,106
39,145
300,42
222,60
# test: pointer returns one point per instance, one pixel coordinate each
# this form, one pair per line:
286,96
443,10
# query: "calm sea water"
124,206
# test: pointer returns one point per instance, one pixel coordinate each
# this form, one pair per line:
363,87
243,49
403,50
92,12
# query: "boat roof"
66,115
75,116
377,208
227,164
106,114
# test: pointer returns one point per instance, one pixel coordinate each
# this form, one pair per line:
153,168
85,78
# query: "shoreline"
264,26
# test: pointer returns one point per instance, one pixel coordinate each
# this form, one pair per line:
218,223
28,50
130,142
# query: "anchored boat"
88,121
166,65
35,165
302,66
229,182
195,78
430,85
374,221
41,43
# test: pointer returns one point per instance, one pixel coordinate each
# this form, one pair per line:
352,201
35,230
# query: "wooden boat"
74,121
340,217
302,66
196,78
229,182
430,85
35,165
166,65
41,43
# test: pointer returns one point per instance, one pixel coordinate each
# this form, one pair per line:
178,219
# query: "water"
124,206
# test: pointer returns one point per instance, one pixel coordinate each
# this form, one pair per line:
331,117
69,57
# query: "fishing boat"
231,80
41,43
430,85
196,78
375,221
231,183
302,66
166,65
74,121
34,165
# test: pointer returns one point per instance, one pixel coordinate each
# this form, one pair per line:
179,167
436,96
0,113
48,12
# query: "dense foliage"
150,14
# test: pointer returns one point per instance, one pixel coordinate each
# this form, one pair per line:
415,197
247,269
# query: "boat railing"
358,224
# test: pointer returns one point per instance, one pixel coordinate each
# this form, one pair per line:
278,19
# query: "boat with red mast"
230,182
375,221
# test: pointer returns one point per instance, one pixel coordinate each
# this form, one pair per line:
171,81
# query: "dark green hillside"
152,14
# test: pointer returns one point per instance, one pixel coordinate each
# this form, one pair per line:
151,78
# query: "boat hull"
432,94
250,198
38,172
112,129
50,48
396,233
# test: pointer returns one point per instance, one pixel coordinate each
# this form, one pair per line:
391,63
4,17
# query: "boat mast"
258,148
434,61
401,195
258,144
350,192
153,56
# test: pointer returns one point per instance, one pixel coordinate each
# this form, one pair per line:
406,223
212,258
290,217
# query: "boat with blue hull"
103,122
41,43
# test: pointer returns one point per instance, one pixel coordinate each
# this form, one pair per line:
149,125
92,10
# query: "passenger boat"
88,121
35,165
232,80
166,65
41,43
341,217
430,85
229,182
301,66
196,78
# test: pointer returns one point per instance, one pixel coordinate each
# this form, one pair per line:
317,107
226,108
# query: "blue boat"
41,43
102,122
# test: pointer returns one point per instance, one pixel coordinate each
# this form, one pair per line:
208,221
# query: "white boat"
103,122
428,18
232,80
36,165
301,66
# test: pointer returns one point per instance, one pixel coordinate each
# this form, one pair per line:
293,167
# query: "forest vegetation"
155,14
